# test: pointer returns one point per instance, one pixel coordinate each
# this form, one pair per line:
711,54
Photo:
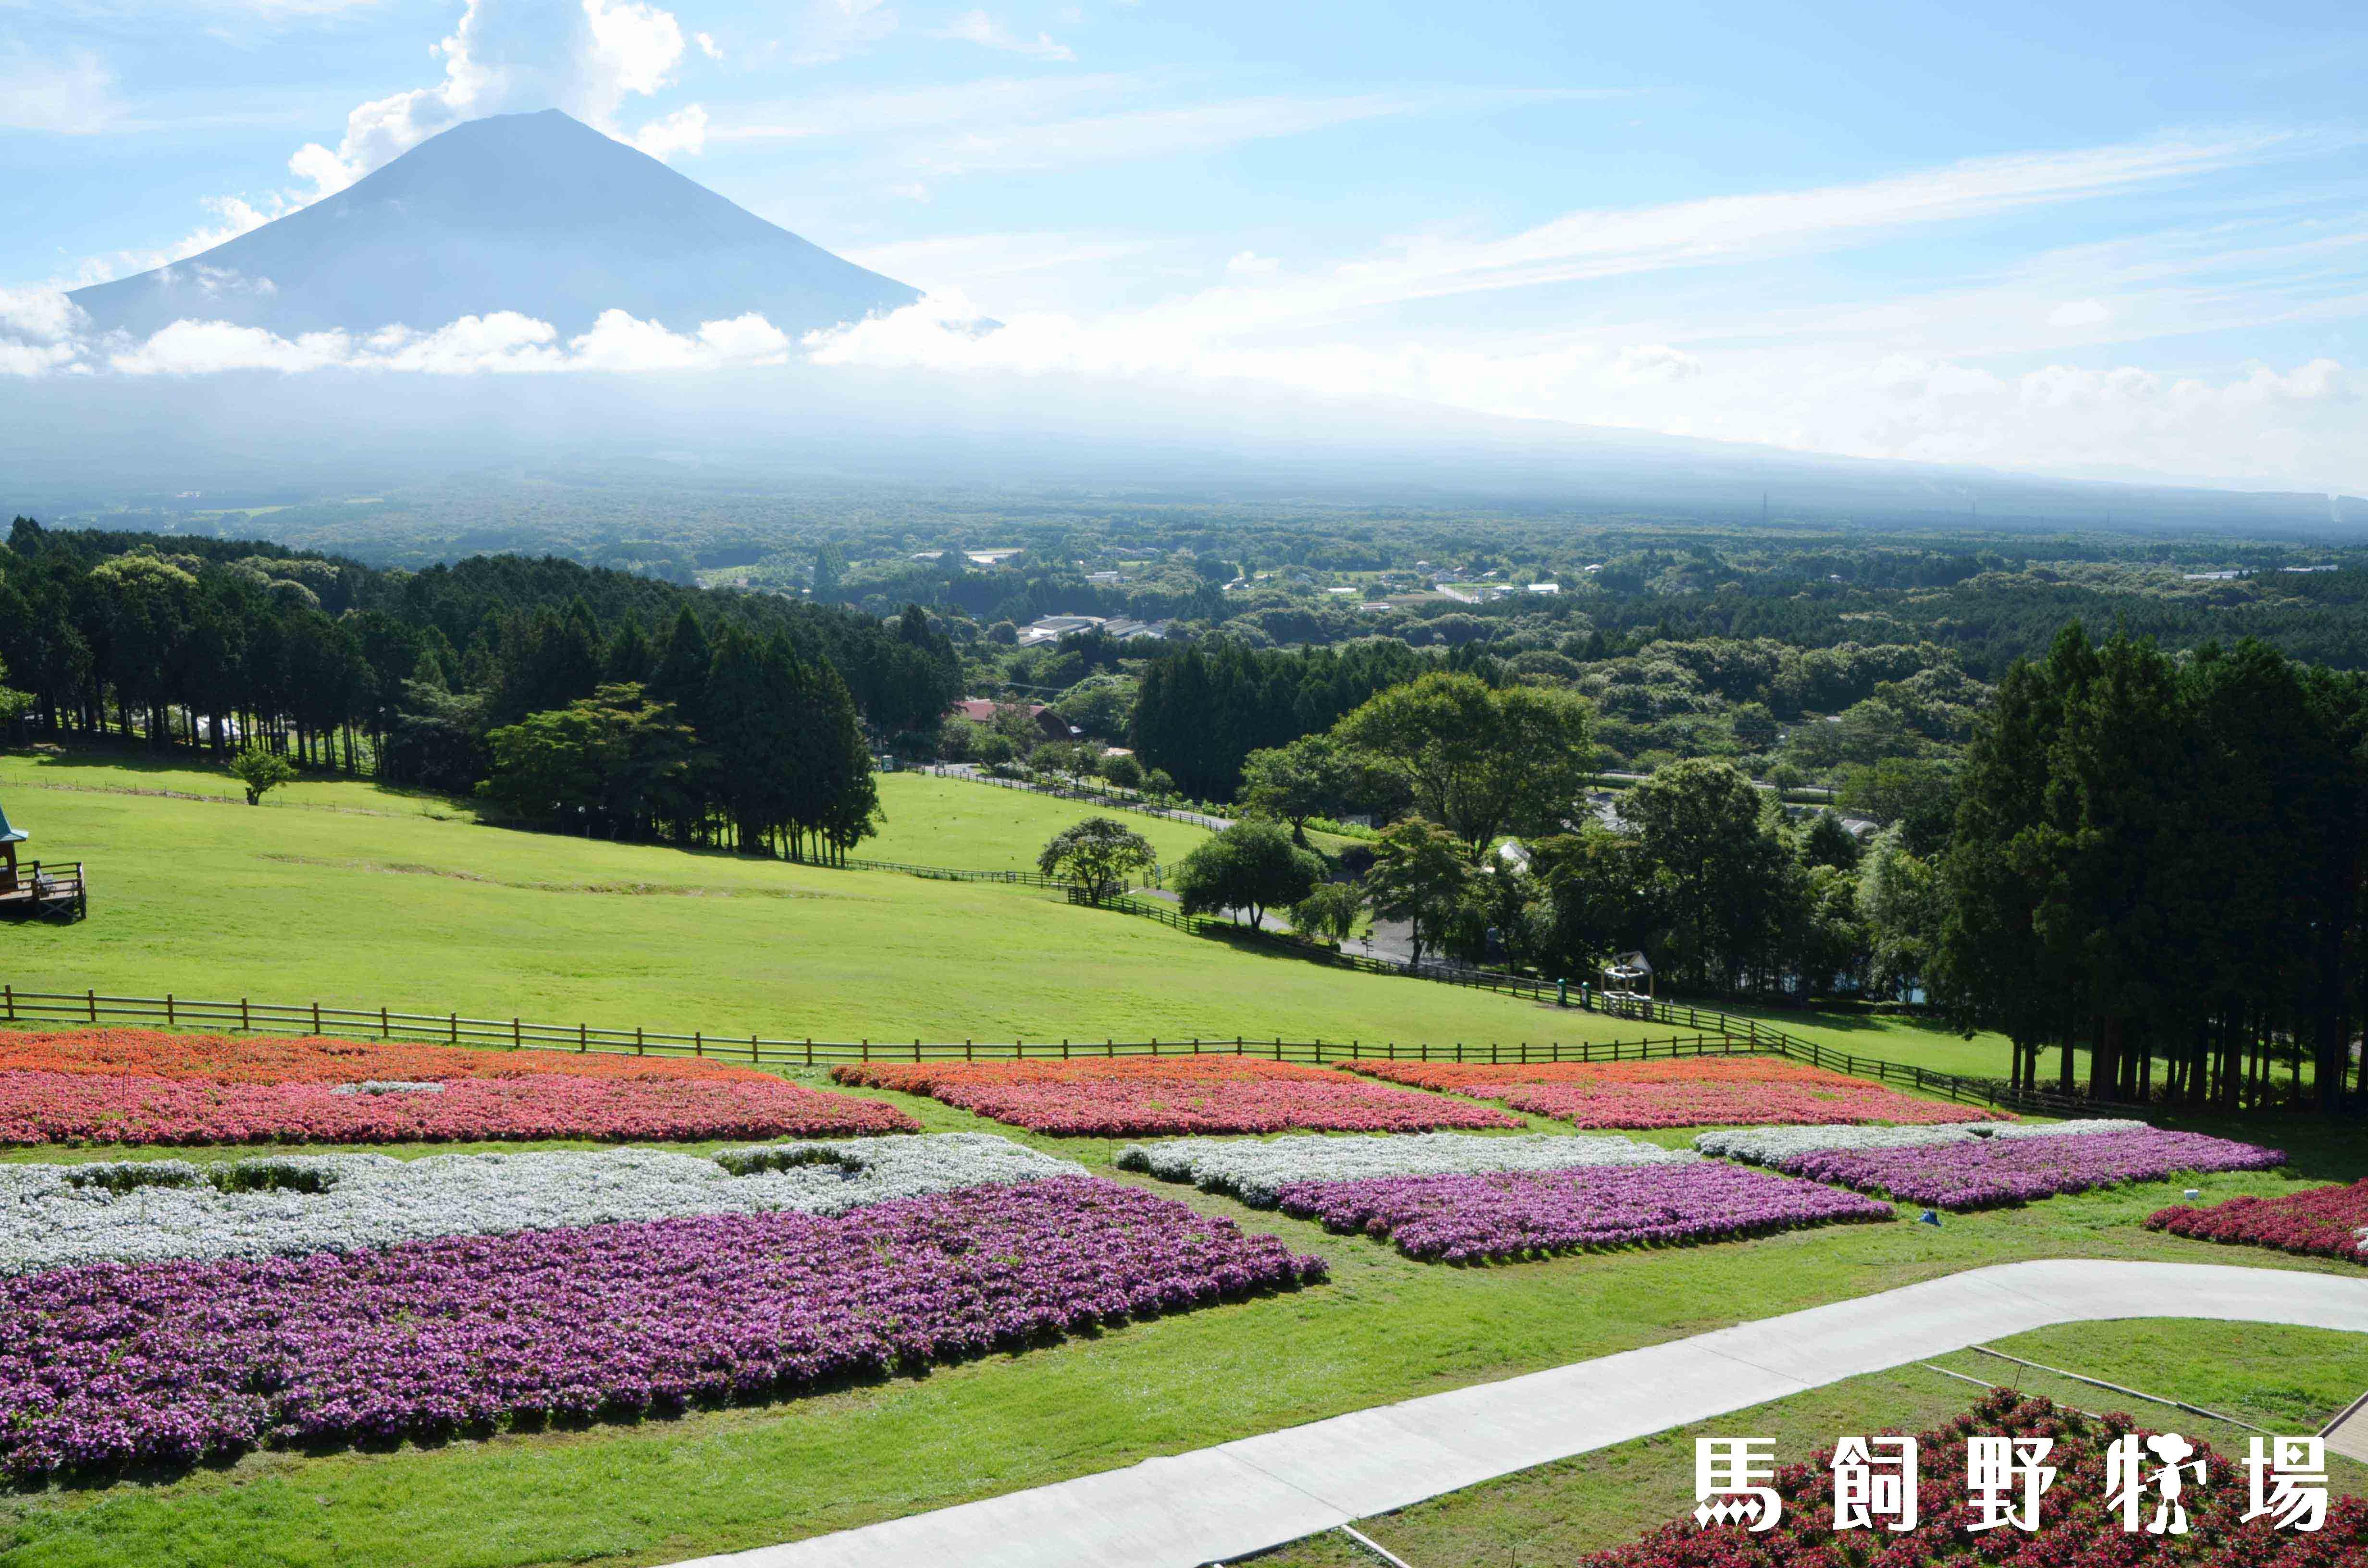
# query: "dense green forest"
586,698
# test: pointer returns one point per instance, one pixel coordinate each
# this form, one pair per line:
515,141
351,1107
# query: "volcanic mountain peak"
537,213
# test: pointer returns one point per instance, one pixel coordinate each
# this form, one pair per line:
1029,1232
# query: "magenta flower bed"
39,1107
170,1364
1997,1171
1475,1219
2324,1221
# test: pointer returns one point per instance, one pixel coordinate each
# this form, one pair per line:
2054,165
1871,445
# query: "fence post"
518,1034
385,1025
93,1006
316,1017
12,1004
583,1039
246,1025
697,1045
639,1049
454,1023
168,1009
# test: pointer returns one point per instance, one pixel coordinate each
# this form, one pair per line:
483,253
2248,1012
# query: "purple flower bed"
1510,1214
113,1365
2003,1171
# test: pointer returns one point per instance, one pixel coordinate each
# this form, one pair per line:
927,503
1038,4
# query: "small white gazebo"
1628,974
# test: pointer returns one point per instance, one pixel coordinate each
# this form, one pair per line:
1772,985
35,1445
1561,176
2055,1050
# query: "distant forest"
580,697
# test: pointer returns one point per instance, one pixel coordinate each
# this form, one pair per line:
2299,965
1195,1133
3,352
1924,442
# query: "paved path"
1244,1496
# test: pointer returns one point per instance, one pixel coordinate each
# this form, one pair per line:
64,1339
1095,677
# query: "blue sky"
2102,239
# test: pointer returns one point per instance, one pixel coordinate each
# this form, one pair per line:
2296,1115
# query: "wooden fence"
246,1016
1696,1032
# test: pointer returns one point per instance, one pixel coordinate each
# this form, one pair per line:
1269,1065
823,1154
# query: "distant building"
1129,631
1105,579
981,710
1545,587
1053,628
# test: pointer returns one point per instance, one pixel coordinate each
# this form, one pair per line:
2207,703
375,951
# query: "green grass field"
2285,1379
404,901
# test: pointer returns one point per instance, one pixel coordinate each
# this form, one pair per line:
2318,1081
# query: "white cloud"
583,56
684,130
707,46
978,28
40,333
2079,312
75,95
1249,264
833,30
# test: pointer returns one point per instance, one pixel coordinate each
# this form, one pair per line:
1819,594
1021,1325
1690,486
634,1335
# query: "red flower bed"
152,1053
2078,1528
1694,1091
1144,1096
2326,1221
141,1087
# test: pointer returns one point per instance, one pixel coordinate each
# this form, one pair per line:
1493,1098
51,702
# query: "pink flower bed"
1999,1171
87,1107
1147,1097
1510,1214
1709,1091
2326,1221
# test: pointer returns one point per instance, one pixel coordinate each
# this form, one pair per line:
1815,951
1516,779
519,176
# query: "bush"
1123,771
261,772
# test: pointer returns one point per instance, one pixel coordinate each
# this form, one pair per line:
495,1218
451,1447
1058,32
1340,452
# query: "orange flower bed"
152,1053
1688,1091
143,1087
1135,1096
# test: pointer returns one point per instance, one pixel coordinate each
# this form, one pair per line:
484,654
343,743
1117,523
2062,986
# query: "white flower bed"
1251,1171
391,1087
1773,1145
53,1216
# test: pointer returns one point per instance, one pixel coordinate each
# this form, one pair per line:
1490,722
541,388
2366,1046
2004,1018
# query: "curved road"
1239,1497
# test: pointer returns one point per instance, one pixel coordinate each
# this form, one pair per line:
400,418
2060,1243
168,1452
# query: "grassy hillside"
931,821
391,901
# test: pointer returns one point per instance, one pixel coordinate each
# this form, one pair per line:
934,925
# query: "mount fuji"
537,213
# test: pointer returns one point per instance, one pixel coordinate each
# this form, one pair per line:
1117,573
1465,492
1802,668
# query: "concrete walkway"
1239,1497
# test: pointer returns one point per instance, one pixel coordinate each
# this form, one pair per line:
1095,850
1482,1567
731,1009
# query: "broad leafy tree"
1097,854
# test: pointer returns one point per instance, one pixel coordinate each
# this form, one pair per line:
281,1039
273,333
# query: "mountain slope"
536,213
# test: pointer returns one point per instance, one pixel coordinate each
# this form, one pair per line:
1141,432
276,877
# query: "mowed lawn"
930,821
1385,1328
403,902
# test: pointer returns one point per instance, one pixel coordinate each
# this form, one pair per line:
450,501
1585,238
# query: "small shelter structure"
46,892
1629,974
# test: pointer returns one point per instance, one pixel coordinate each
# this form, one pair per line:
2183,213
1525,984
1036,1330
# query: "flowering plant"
224,1059
1143,1096
2324,1221
175,1363
1255,1172
143,1087
1674,1092
1773,1145
54,1216
1991,1172
1475,1219
83,1107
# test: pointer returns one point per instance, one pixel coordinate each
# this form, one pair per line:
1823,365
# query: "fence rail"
248,1016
